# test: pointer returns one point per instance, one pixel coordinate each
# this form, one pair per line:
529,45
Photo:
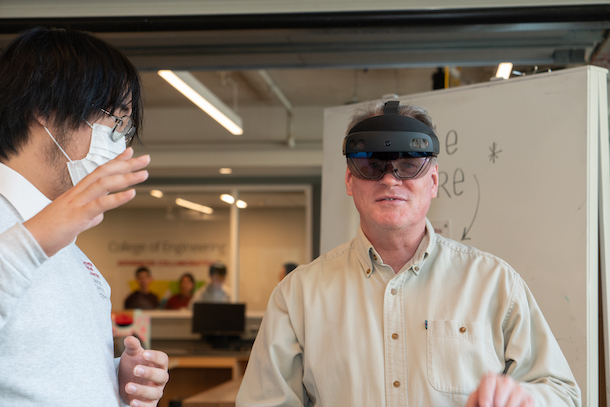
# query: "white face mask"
101,150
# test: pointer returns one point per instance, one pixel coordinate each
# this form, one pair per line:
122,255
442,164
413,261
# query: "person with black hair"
142,298
69,105
182,300
214,291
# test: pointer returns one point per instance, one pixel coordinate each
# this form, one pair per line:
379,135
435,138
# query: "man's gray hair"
373,109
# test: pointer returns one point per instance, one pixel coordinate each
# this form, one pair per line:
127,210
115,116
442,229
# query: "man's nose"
390,176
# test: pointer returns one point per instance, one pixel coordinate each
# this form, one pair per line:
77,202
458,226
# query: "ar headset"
392,143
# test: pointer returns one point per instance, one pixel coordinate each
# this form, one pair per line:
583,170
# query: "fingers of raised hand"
143,395
500,391
158,358
148,386
114,176
152,373
486,391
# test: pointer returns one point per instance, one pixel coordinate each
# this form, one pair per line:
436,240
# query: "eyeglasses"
123,127
373,166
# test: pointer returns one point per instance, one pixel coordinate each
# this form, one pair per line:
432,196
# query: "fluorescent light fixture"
156,193
241,204
227,198
504,70
194,206
225,171
197,93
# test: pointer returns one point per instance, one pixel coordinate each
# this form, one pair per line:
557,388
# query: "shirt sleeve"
20,256
538,362
274,376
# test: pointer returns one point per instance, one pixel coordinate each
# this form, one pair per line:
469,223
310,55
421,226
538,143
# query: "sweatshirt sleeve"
20,257
538,362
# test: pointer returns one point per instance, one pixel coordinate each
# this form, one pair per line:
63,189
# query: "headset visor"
373,166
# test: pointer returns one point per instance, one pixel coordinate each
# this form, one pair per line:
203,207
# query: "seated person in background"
142,298
182,299
214,292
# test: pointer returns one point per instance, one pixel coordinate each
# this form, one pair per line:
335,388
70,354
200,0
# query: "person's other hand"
499,391
83,206
142,374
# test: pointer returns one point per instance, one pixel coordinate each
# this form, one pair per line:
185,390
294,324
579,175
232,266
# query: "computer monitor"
219,319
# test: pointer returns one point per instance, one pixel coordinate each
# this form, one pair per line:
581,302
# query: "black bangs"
62,76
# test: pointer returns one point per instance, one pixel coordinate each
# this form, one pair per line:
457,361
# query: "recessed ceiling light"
241,204
194,206
504,70
225,171
227,198
194,90
156,193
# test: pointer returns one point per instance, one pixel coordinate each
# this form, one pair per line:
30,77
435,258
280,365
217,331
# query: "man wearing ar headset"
401,316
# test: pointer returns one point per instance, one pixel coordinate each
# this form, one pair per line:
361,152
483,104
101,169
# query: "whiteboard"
518,170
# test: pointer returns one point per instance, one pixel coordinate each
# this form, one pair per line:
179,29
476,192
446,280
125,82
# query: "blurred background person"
184,297
215,291
142,298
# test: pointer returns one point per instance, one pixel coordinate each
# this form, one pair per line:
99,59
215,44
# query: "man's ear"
434,175
348,181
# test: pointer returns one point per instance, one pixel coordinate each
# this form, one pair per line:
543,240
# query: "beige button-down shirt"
346,330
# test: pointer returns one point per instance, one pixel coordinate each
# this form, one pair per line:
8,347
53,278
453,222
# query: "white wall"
268,239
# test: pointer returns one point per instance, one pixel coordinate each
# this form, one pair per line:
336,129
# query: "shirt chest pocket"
458,355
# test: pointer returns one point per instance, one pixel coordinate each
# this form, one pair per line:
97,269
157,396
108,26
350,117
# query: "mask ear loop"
56,143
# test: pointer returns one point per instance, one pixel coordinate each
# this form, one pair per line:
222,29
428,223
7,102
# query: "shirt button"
396,383
463,329
416,268
393,291
368,271
394,336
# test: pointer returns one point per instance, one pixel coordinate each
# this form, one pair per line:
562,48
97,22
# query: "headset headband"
391,132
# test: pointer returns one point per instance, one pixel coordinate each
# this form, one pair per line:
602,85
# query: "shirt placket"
394,343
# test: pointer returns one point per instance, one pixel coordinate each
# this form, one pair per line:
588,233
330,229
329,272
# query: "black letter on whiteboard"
441,183
464,235
458,178
452,143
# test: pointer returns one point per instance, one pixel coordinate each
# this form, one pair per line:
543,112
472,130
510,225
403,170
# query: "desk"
237,364
190,375
223,395
194,365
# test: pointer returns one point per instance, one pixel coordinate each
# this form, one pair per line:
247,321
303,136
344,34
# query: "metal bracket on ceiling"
290,142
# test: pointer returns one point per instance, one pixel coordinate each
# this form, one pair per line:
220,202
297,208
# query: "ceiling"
316,60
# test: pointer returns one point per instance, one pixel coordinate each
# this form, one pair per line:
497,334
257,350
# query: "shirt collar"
368,256
24,196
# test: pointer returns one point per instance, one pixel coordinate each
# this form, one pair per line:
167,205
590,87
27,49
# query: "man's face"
186,286
390,204
77,143
80,140
144,280
217,280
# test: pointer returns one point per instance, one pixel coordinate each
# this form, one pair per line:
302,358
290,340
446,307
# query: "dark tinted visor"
373,166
